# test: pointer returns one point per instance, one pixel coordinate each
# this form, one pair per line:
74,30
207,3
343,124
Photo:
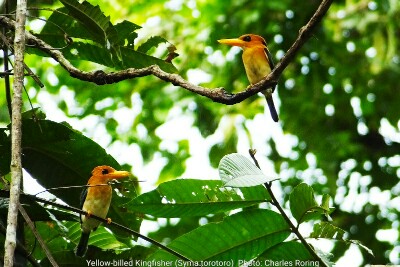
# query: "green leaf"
151,42
303,205
325,202
126,33
93,19
100,238
60,23
135,59
242,236
329,231
189,197
290,252
236,170
325,206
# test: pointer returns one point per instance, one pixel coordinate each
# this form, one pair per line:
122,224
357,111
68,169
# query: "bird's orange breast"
256,64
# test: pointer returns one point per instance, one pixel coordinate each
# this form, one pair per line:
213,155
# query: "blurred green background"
338,105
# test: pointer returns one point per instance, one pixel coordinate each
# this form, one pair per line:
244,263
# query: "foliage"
339,129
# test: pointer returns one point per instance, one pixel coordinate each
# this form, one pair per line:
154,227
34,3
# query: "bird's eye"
247,38
104,171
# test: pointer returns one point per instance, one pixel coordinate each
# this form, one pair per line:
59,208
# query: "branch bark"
16,134
219,94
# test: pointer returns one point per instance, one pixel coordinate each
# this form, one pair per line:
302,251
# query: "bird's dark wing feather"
270,60
270,102
83,198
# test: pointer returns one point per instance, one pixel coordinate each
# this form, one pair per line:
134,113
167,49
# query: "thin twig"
37,235
82,186
219,94
6,68
68,187
294,229
30,72
7,74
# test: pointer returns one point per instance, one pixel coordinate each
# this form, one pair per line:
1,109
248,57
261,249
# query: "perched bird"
257,61
95,200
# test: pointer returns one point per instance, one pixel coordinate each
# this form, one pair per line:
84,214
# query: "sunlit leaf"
236,170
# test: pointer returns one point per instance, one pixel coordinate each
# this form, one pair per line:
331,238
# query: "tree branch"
219,94
16,135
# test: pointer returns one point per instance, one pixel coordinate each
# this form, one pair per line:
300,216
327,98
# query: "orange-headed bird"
95,200
257,61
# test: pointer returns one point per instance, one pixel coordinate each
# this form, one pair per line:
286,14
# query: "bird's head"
246,41
107,173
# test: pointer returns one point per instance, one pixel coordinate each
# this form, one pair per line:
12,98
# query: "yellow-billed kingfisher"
96,200
257,61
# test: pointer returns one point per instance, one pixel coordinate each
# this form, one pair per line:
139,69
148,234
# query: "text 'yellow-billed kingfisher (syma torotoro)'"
257,61
96,200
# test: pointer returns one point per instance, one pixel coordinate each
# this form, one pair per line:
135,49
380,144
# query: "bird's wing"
269,56
83,198
271,64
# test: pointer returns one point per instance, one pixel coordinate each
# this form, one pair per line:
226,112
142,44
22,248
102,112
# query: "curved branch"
219,94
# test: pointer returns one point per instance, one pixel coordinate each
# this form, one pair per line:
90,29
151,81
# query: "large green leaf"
60,23
56,155
189,197
101,237
239,237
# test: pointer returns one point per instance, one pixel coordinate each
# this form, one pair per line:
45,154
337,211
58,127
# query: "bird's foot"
109,221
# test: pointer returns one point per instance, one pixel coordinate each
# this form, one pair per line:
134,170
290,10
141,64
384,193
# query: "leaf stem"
294,229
